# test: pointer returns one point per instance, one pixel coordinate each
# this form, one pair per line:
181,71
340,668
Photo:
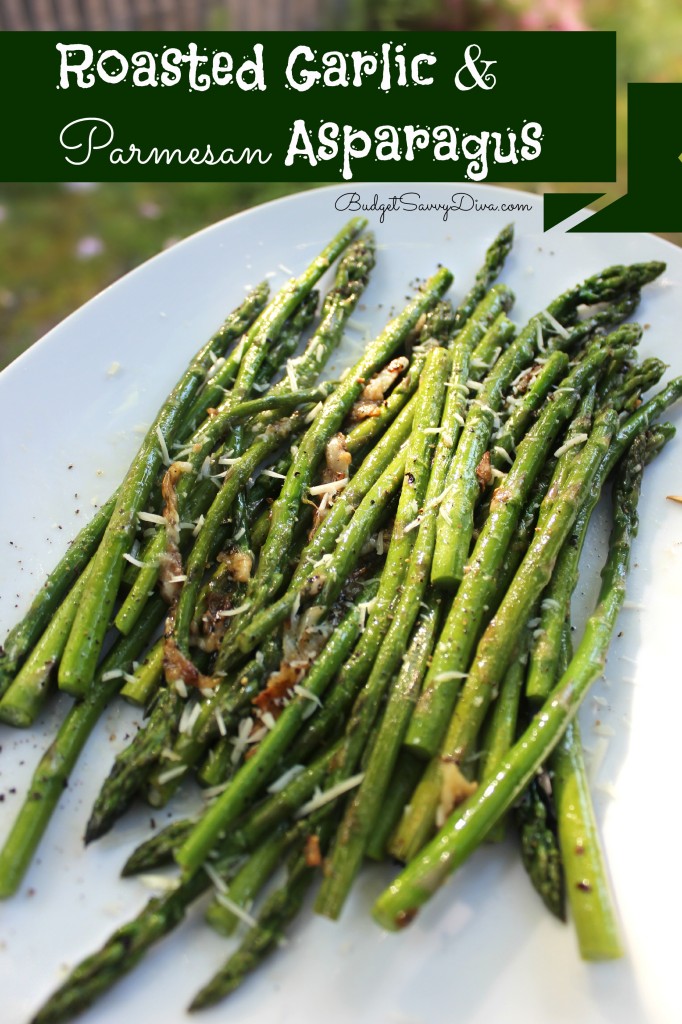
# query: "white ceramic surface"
484,951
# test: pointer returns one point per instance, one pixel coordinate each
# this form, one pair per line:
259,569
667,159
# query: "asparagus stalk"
93,616
121,953
371,508
133,765
144,680
358,821
366,496
539,848
435,329
376,472
25,634
217,713
351,278
442,322
523,413
157,851
497,644
555,609
30,688
587,883
225,369
248,882
56,765
470,823
455,528
22,638
255,773
500,729
406,774
269,576
495,257
279,909
462,626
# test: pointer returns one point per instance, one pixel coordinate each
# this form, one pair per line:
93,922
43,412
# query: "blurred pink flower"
88,247
561,15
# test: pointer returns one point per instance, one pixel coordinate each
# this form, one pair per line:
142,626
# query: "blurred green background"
62,243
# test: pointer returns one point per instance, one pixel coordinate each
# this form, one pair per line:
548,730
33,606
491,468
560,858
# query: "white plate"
484,951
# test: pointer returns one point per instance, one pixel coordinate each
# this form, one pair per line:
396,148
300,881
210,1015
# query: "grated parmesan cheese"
138,562
313,413
172,773
291,376
240,741
540,341
164,448
329,488
226,613
285,778
319,799
238,911
571,443
151,517
504,454
303,691
554,323
159,883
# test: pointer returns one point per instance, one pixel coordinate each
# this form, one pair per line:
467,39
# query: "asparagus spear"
587,884
365,499
87,633
461,629
470,823
358,821
500,729
217,713
157,851
30,688
455,527
435,328
56,765
498,641
255,773
413,491
442,320
588,887
225,369
279,909
556,605
539,848
248,881
145,678
544,377
133,765
269,576
495,257
25,634
351,278
121,953
22,638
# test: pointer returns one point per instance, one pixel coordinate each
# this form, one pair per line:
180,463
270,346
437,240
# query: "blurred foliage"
59,245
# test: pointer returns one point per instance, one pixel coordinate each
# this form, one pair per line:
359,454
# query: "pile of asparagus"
345,607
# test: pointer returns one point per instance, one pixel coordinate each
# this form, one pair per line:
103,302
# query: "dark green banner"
654,197
489,106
